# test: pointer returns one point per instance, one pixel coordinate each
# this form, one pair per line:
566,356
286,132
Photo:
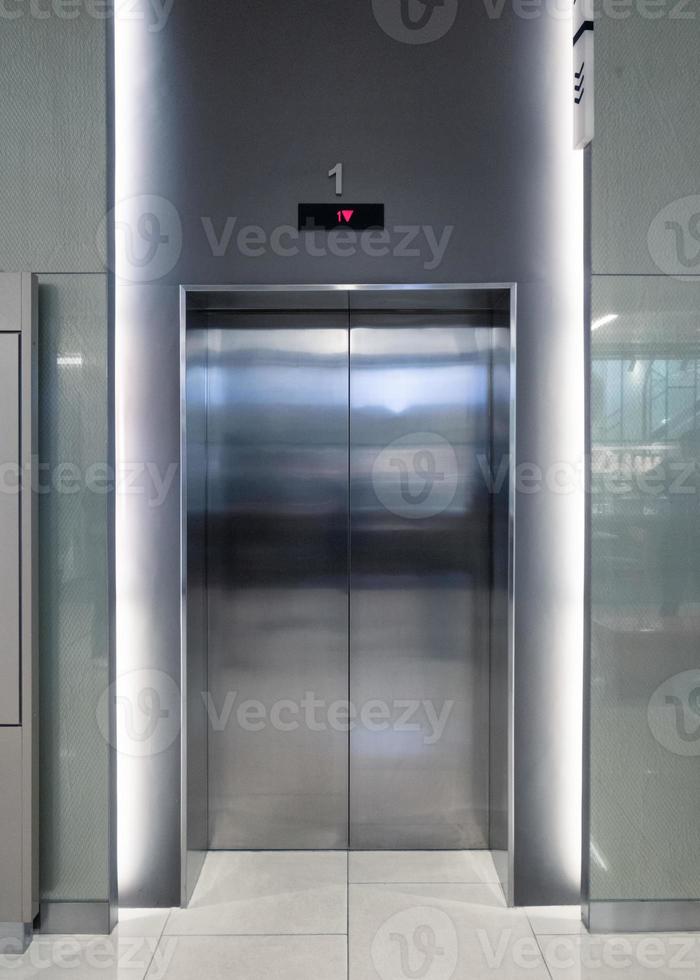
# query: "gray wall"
53,193
645,240
239,110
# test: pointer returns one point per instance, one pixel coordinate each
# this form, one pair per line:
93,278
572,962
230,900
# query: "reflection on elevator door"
419,583
345,553
277,530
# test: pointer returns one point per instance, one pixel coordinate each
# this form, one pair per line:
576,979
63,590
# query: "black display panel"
327,217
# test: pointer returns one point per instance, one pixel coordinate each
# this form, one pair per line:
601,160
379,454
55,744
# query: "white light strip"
128,55
570,705
567,446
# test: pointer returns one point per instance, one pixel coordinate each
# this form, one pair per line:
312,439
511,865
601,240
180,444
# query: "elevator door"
348,574
419,584
277,545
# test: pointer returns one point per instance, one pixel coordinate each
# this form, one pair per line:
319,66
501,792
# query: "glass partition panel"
73,588
645,589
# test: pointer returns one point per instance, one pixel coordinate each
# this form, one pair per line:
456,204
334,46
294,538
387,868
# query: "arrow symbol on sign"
347,215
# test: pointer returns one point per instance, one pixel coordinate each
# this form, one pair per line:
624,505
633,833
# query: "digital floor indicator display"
329,217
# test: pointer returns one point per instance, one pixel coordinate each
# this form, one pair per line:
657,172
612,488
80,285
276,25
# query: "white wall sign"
582,70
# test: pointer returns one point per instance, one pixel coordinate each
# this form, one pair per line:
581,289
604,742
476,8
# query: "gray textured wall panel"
53,150
647,141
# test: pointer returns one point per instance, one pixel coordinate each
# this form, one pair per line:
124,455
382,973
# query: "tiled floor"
364,916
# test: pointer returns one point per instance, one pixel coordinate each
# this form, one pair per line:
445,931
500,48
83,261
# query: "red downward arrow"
348,215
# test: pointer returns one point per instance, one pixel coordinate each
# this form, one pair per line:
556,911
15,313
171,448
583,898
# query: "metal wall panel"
500,614
277,580
196,810
13,826
420,579
10,564
19,769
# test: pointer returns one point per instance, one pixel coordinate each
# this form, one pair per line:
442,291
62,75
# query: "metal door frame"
286,297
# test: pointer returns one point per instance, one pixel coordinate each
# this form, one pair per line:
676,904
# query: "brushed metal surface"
19,770
235,367
420,579
642,916
12,906
195,619
15,937
500,613
277,511
58,918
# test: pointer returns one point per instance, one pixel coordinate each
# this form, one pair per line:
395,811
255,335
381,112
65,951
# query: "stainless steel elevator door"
277,536
419,584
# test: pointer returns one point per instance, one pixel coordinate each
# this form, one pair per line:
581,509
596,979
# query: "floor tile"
267,893
439,932
421,867
634,957
251,958
141,922
556,920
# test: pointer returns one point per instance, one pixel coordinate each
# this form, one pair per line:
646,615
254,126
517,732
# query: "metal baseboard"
77,918
15,937
634,916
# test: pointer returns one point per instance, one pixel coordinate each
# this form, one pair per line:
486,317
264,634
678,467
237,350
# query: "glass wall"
643,821
645,582
73,588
